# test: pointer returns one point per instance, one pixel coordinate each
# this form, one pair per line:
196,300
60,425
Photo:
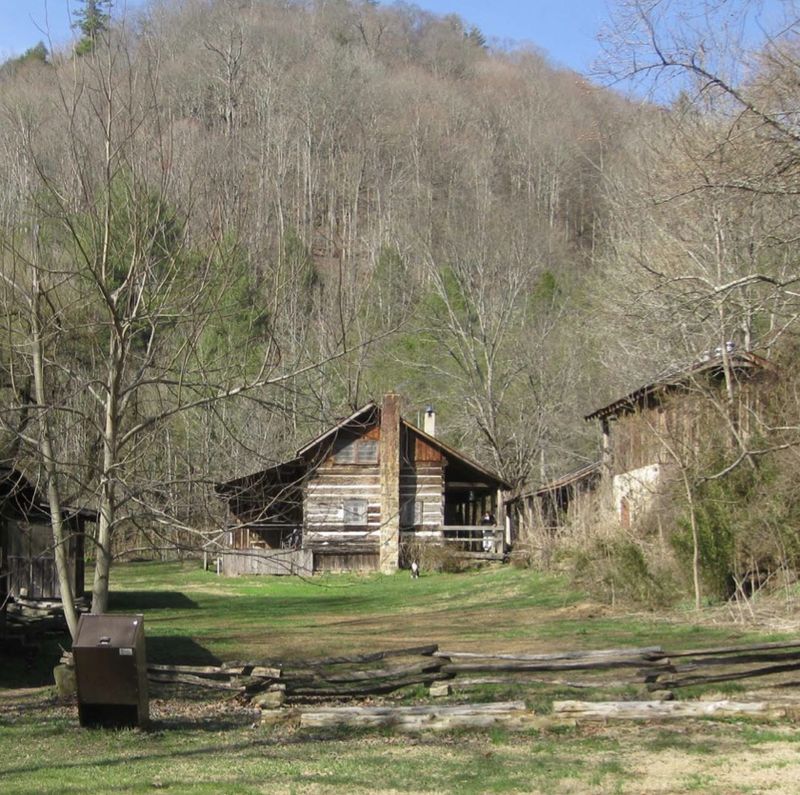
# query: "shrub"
617,569
432,557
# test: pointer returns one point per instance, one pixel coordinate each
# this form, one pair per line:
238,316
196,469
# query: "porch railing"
475,538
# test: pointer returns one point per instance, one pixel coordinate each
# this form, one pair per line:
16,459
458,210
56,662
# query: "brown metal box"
111,669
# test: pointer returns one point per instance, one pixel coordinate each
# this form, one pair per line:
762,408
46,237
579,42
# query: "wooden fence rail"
358,675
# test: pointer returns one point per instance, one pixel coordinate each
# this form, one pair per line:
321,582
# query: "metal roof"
740,361
23,497
566,480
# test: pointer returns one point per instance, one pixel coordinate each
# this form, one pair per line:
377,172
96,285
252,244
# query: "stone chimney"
430,421
390,484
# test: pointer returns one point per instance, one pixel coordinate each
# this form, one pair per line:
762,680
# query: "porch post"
390,484
607,455
502,520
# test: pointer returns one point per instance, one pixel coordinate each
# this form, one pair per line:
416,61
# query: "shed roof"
577,475
23,498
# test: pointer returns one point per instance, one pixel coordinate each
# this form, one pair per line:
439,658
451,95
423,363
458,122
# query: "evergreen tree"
91,21
35,54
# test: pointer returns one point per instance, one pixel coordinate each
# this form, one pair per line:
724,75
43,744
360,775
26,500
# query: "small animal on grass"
414,570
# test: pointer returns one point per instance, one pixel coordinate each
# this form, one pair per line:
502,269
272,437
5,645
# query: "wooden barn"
644,435
660,426
360,496
27,562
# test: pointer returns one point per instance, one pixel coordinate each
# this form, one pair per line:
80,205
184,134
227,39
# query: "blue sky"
565,29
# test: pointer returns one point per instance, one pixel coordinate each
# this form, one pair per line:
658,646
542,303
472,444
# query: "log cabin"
360,496
27,561
646,434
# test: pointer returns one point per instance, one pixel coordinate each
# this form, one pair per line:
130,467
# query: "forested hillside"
226,223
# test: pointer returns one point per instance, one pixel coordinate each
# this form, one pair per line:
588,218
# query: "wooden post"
390,484
607,452
502,521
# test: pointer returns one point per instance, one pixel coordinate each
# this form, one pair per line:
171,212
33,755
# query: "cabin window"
358,451
367,451
354,512
346,454
411,513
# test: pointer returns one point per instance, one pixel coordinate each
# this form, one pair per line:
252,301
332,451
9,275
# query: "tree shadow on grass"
199,720
31,665
177,650
139,601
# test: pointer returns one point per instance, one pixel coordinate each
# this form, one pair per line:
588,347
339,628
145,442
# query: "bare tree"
125,326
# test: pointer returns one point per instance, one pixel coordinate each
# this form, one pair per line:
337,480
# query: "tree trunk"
107,505
49,463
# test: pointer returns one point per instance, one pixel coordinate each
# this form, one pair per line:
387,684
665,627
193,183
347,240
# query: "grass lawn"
193,616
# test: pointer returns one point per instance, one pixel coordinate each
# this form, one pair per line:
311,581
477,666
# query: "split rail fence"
361,675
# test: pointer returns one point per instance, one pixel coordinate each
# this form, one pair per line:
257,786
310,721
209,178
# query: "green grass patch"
193,616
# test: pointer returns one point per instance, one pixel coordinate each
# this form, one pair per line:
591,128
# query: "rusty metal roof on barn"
741,362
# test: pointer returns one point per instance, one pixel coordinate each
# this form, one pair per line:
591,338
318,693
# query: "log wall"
424,485
340,544
326,494
421,481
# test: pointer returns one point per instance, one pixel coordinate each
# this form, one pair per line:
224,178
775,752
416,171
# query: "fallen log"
362,675
225,671
509,666
661,710
460,683
251,669
266,672
195,681
208,670
237,667
510,715
738,659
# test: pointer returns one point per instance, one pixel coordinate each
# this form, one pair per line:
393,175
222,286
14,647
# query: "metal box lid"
113,631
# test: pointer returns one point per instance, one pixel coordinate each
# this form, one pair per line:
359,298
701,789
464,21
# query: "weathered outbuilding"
358,495
661,426
646,434
27,561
